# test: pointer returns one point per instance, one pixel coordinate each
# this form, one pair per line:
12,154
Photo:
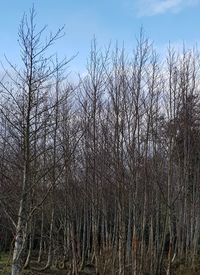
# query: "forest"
100,173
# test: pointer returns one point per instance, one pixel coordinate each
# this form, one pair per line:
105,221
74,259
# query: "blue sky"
108,20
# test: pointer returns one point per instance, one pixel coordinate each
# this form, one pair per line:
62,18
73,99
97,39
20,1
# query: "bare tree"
30,84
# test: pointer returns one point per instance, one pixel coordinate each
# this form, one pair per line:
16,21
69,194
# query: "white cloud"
154,7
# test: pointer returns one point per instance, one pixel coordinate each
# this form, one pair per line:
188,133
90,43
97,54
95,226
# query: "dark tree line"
106,171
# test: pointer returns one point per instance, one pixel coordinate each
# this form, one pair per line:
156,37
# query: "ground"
5,260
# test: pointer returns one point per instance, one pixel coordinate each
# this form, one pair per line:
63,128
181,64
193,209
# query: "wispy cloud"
154,7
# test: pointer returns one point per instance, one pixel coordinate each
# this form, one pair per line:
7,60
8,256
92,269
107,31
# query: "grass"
180,267
4,264
4,258
5,267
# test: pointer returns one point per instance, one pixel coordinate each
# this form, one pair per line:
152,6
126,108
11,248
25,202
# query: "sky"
176,21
